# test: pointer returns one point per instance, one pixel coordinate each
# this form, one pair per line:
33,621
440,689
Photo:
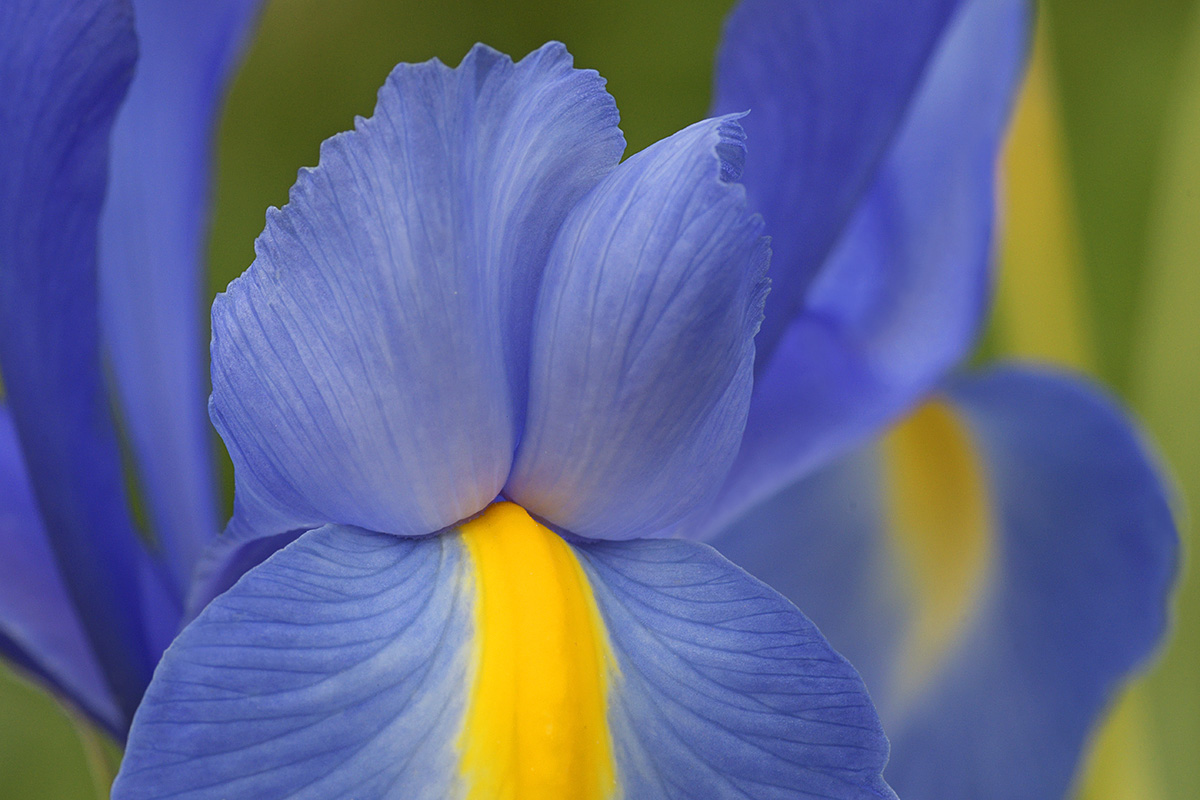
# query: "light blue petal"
64,67
234,554
1075,597
725,689
643,341
899,300
153,231
369,368
37,619
335,669
346,665
828,85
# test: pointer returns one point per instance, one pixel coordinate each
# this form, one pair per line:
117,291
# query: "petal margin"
643,341
899,299
369,368
151,270
38,623
1083,554
64,68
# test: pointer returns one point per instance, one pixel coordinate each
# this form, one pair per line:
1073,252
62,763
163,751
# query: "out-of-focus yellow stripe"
1041,314
537,721
941,532
1040,311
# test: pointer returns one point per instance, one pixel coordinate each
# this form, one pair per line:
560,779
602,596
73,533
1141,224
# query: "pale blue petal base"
334,670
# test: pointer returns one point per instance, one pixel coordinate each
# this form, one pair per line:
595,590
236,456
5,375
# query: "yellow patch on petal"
940,531
537,721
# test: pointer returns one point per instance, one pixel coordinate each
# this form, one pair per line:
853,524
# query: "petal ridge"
643,341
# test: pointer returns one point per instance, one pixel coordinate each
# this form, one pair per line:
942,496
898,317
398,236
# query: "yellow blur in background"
1100,255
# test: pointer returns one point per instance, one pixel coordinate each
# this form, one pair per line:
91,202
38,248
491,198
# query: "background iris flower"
879,287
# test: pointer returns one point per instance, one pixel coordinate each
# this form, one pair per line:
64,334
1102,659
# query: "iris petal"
1080,554
335,669
725,689
64,68
37,619
899,299
643,341
369,368
498,661
828,86
152,241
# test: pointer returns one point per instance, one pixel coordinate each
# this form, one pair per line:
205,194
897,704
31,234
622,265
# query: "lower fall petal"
501,661
996,567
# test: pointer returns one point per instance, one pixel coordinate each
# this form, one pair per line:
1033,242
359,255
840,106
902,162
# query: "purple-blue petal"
898,300
39,628
153,230
725,689
346,663
335,669
370,367
828,85
64,68
1074,599
643,351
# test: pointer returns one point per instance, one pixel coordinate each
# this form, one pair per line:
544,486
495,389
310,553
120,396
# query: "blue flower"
103,186
487,390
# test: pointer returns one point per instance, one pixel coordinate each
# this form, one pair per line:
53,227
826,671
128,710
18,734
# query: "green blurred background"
1101,253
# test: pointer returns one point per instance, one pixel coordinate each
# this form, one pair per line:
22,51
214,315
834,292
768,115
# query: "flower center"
537,722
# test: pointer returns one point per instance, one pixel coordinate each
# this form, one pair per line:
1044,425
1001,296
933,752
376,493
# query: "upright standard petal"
996,568
500,662
828,85
899,300
64,67
152,241
38,623
368,369
643,341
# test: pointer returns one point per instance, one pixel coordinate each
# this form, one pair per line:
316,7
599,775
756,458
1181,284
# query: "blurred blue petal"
898,299
64,68
1074,595
335,669
39,629
828,85
369,368
726,690
153,231
643,341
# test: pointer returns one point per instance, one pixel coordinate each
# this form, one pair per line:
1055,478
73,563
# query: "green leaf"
1166,390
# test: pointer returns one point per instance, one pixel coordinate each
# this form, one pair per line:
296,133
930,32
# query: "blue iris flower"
488,391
